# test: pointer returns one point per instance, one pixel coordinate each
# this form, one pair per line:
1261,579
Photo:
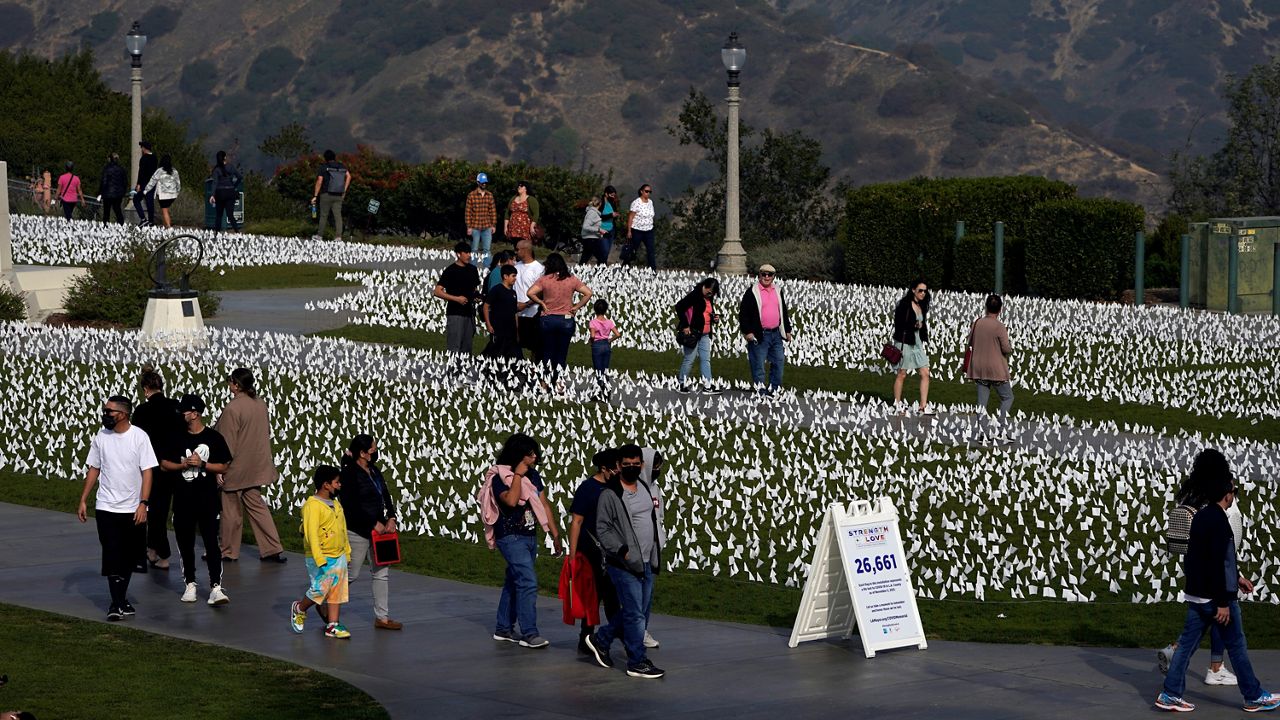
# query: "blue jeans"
767,347
601,356
519,601
702,350
635,596
481,242
1199,618
646,237
604,246
557,332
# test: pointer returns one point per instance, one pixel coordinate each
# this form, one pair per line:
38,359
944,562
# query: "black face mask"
373,456
631,474
109,421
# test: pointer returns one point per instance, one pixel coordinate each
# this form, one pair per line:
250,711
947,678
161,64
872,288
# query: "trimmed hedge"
1082,248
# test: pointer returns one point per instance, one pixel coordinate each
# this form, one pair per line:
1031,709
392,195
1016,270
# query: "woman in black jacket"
226,182
368,507
910,333
695,316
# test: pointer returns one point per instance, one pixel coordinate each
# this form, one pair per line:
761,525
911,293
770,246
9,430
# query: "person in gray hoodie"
628,529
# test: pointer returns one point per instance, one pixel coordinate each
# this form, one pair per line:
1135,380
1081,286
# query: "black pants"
121,540
604,588
147,212
158,513
110,205
197,504
531,336
68,208
225,202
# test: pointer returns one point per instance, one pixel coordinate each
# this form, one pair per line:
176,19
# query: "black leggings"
197,504
112,204
225,202
68,208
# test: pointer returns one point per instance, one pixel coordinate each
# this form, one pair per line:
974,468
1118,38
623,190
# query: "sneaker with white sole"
189,595
534,641
649,640
217,596
505,636
297,617
600,653
1165,701
1266,703
1222,677
645,669
1164,657
337,630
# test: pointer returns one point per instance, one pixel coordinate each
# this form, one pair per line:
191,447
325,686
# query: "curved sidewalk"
444,664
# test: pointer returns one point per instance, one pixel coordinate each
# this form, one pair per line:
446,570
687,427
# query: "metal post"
1139,262
1275,280
999,286
135,152
1184,283
733,258
959,231
1233,274
6,242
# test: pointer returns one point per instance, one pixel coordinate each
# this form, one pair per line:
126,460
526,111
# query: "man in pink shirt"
765,323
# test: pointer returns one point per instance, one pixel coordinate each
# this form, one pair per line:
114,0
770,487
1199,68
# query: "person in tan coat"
244,426
989,366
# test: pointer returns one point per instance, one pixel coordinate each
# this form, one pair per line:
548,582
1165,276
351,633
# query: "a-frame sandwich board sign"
859,576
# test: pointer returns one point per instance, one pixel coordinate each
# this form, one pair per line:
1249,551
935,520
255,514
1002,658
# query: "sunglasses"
766,274
922,291
647,190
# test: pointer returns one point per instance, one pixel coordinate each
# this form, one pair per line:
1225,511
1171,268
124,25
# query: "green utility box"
1255,240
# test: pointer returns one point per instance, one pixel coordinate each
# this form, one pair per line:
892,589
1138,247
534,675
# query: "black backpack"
336,184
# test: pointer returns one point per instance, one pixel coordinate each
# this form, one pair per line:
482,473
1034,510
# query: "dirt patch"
64,320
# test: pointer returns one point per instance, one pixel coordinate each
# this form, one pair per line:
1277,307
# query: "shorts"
328,583
166,204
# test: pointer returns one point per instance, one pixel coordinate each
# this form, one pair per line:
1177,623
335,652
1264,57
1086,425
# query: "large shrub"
116,292
12,306
1082,247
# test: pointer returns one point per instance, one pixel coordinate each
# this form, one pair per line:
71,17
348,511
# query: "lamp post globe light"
134,43
732,259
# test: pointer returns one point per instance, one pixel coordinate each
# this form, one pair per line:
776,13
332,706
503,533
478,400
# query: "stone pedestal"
174,320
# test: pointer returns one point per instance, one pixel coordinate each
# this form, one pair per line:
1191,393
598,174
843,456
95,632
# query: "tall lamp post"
732,259
134,42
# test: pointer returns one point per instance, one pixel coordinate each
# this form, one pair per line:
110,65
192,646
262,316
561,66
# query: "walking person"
528,272
459,287
583,538
160,418
245,427
143,201
910,333
522,216
369,509
111,187
640,227
332,181
512,504
198,455
591,233
765,323
602,332
500,318
609,205
120,463
695,319
989,368
554,293
226,190
1211,593
627,528
481,216
324,531
70,194
166,185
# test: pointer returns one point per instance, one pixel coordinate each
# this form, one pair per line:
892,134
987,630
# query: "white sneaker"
317,238
217,597
1222,677
189,595
649,640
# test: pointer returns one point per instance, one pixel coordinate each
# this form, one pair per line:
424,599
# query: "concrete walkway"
444,664
281,311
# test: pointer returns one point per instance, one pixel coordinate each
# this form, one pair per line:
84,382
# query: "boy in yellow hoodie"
324,530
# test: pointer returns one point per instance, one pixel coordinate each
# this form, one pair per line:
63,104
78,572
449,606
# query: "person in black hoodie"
369,507
159,417
112,188
695,316
146,168
226,190
910,333
1212,582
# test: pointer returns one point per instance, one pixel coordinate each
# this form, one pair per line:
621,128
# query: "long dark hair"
604,197
166,163
244,380
924,301
515,449
556,265
220,159
1210,476
499,258
359,444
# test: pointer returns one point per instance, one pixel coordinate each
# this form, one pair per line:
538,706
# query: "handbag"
386,548
688,341
891,353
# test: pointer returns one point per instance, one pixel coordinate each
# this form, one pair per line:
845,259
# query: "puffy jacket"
167,185
114,181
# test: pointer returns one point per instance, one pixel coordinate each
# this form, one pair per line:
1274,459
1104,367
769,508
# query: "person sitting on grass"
324,530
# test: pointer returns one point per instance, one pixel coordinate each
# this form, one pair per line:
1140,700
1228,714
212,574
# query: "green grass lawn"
866,384
701,595
62,667
275,277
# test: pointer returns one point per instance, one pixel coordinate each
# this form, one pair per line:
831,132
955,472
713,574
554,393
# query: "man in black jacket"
112,189
160,418
147,165
1212,581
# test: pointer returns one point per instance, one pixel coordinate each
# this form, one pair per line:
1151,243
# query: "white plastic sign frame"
859,575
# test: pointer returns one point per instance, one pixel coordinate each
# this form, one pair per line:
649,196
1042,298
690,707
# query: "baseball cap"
191,403
145,144
482,178
767,268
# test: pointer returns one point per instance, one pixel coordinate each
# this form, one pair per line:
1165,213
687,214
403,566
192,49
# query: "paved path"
281,311
445,665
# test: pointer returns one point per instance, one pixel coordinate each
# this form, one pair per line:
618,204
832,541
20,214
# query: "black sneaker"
711,390
685,389
114,614
277,558
127,610
645,670
600,654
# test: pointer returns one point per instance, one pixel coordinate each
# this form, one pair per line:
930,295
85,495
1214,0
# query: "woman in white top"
167,185
640,227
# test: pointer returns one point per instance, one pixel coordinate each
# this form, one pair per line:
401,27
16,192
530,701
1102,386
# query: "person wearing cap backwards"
146,168
765,323
197,456
481,218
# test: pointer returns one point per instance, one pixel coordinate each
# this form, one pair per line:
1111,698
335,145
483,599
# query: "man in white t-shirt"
120,462
528,327
640,227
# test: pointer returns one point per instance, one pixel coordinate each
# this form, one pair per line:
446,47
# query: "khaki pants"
331,203
360,550
260,520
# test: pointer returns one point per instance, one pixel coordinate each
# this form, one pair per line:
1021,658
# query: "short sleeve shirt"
586,501
527,275
208,444
120,458
639,506
518,520
461,280
644,214
558,293
502,309
601,328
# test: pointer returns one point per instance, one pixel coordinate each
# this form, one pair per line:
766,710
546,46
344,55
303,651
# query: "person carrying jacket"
112,189
765,323
627,526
